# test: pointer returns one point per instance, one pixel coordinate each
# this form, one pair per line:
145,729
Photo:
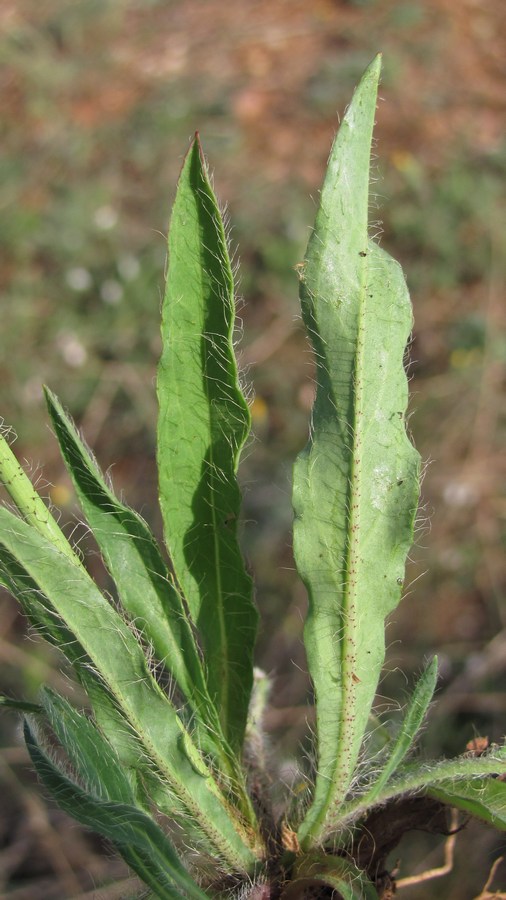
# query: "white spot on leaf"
381,484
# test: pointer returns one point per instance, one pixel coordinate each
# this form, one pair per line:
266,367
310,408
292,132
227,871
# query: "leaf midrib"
342,767
347,707
224,649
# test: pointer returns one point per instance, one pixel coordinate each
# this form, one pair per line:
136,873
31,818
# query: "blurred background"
100,100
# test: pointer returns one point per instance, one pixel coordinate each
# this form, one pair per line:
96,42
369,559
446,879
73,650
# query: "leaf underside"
315,873
356,483
484,798
203,423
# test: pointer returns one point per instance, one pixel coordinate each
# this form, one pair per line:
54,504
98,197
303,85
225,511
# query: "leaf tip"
433,666
196,147
49,397
376,64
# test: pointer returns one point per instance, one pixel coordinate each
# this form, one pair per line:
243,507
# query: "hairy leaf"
94,760
484,798
203,423
318,871
132,557
427,777
356,483
49,624
28,502
144,584
119,658
142,843
413,719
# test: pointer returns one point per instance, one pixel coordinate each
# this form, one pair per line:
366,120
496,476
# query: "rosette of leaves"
156,761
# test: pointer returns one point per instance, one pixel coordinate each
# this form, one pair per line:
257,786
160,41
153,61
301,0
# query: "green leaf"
37,607
203,423
118,657
28,502
109,762
132,557
319,871
136,836
48,623
356,483
427,778
94,760
413,719
145,588
111,720
484,798
20,705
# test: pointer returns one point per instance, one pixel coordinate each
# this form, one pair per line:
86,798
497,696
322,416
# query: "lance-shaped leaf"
203,423
484,798
41,614
38,608
50,625
356,483
144,585
30,505
132,557
119,659
106,768
453,775
93,758
137,837
413,719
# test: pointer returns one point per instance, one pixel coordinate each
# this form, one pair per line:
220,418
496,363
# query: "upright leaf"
137,837
203,423
30,505
413,719
132,557
49,623
356,483
93,758
118,657
144,585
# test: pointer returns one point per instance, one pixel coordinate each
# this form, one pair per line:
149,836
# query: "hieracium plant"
168,760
